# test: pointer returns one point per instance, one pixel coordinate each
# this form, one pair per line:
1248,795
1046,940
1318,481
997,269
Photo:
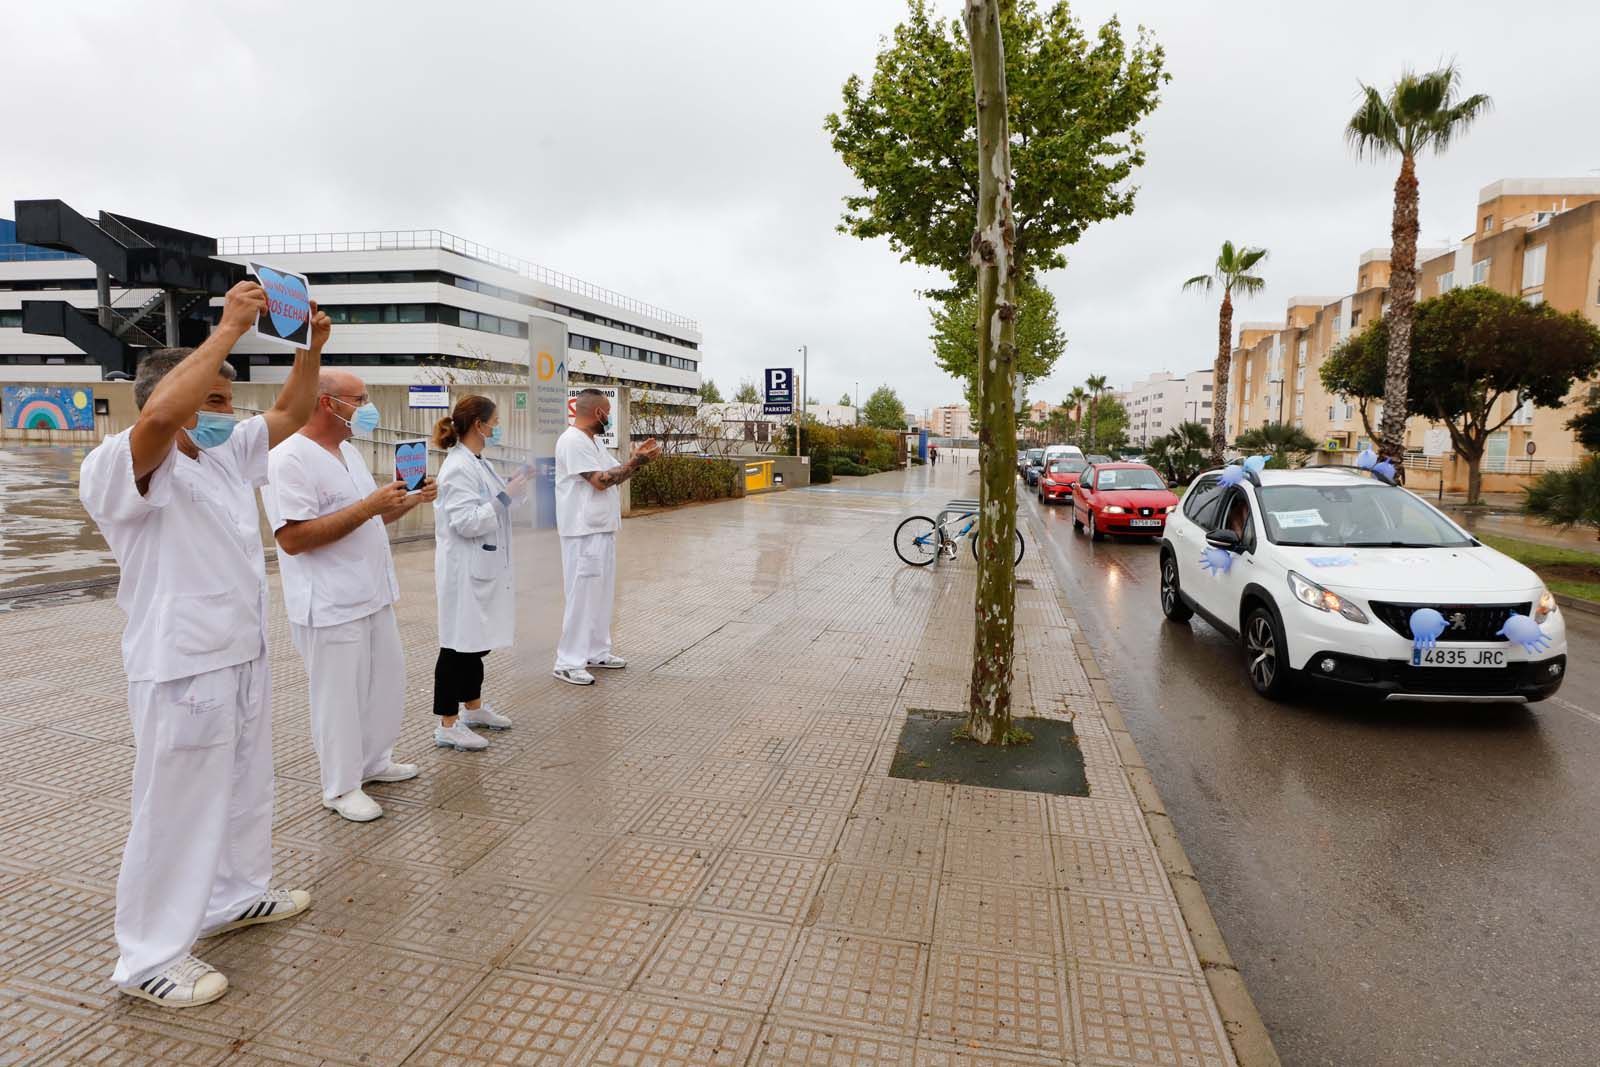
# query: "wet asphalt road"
1399,884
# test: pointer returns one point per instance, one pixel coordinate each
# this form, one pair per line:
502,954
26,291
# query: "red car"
1055,484
1122,498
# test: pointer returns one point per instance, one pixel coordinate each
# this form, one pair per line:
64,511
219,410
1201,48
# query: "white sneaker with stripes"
187,983
269,907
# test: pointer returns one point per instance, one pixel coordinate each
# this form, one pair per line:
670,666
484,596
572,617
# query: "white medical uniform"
472,569
194,590
339,597
588,520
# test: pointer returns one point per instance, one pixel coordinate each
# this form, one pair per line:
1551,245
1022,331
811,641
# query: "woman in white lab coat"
472,570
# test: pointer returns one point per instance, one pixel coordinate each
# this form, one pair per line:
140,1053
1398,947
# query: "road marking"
1570,706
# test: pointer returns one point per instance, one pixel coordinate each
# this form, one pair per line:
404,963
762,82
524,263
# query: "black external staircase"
136,255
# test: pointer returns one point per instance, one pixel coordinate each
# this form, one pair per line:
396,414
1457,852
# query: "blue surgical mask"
494,437
212,430
363,420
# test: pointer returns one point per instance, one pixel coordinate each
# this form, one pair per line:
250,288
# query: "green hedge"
849,466
673,480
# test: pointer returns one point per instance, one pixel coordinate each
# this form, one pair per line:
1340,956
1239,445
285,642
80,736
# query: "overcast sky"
675,151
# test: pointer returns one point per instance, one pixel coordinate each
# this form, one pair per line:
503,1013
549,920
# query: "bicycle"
918,540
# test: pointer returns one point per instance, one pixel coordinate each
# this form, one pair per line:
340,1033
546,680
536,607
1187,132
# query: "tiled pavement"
699,860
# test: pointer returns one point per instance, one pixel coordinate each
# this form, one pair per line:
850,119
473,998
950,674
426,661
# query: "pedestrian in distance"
933,454
174,497
328,516
472,571
588,516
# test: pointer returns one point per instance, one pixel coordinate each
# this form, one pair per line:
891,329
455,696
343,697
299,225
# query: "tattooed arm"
621,473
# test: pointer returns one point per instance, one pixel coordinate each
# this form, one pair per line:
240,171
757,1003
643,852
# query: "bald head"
340,393
591,411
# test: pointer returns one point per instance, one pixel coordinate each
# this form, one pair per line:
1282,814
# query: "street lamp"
858,403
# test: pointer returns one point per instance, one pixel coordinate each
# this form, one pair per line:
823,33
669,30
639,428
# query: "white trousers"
200,847
357,672
589,579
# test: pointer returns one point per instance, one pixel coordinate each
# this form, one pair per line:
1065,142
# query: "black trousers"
457,678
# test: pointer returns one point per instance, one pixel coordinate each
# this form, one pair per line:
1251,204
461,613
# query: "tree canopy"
1282,441
884,410
1075,102
846,402
747,394
1040,341
1470,348
709,393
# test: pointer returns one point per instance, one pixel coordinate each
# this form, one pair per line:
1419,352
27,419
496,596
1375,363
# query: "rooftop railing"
386,240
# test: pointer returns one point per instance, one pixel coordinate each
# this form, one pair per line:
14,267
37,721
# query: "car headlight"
1545,607
1114,510
1171,508
1313,595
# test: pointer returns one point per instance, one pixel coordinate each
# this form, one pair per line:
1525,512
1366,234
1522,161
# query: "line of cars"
1106,496
1333,576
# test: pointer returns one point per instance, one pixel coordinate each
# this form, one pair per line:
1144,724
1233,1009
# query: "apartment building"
1534,238
950,420
1158,403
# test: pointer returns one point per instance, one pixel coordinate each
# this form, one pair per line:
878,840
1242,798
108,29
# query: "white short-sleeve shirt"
347,579
194,580
581,509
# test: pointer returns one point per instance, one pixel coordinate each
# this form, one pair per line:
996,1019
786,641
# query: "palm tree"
1076,399
1232,272
1096,384
1279,439
1421,111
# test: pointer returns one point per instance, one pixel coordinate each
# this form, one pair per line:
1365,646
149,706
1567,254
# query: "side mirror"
1224,539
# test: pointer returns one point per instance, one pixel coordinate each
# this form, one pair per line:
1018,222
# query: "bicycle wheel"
916,540
1020,547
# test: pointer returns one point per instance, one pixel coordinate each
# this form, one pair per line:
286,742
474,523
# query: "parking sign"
780,391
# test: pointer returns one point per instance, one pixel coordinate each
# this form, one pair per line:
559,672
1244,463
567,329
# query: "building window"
1330,412
1488,224
1299,404
468,320
1300,354
1534,299
11,319
1300,378
1338,326
1246,417
1480,272
1533,267
1355,319
1447,281
1206,388
1349,411
1523,416
1362,284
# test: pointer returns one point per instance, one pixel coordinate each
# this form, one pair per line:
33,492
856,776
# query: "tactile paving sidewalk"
700,860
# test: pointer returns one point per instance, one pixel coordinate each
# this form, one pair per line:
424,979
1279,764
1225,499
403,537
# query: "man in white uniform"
588,516
174,497
339,586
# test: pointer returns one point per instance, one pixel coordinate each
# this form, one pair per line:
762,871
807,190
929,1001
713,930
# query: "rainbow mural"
47,407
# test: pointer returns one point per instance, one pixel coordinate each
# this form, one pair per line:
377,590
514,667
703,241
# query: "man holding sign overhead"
328,516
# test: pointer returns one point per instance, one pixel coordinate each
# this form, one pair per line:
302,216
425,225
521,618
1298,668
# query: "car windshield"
1129,478
1035,455
1067,466
1354,516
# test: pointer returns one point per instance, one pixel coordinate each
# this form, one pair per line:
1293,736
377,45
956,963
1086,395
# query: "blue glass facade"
11,251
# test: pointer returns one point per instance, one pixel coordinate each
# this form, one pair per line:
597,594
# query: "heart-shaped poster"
288,314
411,464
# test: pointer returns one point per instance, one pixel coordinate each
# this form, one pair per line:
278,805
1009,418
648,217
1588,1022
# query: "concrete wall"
398,421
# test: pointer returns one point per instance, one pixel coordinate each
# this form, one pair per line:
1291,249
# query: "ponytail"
468,412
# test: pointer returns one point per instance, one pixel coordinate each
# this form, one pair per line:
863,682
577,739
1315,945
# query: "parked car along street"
1121,498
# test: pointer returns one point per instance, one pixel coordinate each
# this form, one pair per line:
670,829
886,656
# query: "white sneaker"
575,675
395,772
355,806
187,983
459,738
485,715
610,663
269,907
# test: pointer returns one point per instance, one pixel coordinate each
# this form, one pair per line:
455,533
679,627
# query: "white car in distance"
1319,571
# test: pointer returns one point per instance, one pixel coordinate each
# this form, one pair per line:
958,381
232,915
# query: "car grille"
1469,622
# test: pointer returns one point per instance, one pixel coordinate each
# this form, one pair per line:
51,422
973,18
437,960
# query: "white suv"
1319,572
